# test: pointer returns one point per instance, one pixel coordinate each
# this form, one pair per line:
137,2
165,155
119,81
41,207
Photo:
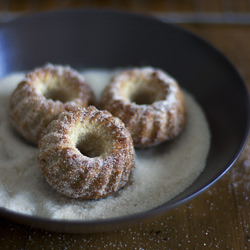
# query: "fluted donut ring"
86,154
149,102
42,95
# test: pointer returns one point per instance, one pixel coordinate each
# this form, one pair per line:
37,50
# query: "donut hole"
58,89
58,95
146,94
91,145
143,97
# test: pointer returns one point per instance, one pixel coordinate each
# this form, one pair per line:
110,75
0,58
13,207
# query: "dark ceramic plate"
108,39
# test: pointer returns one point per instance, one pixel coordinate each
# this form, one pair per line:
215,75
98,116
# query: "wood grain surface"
219,218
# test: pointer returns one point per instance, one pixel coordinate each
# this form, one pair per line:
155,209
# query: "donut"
149,102
86,153
43,95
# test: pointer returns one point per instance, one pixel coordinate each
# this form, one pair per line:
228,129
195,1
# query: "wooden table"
219,218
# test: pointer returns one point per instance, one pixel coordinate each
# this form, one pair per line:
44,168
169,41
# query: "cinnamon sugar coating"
149,102
86,154
43,95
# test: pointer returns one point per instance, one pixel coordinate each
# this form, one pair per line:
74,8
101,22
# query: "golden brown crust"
86,154
45,93
149,102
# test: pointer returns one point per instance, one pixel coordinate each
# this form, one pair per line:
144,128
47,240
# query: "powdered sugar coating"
42,95
160,173
76,174
160,118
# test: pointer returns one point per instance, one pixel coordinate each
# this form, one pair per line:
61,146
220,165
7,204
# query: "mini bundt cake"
149,102
42,95
86,153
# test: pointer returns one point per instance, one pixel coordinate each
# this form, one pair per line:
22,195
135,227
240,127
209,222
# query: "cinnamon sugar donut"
149,102
86,154
42,95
